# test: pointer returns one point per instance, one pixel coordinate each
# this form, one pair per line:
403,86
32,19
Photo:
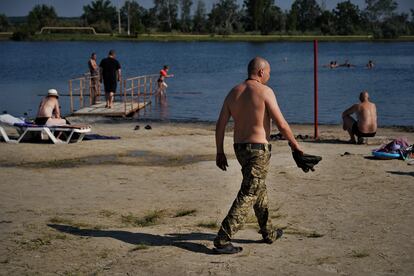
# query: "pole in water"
315,83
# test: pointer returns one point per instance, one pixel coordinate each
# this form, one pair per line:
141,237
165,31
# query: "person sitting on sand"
370,64
49,111
366,124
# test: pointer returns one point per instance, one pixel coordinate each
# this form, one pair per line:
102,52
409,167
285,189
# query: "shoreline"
112,120
161,37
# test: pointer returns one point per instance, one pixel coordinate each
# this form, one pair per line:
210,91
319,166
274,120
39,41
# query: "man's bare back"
366,124
367,117
49,107
247,105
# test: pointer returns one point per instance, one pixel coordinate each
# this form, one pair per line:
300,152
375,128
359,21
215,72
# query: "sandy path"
78,209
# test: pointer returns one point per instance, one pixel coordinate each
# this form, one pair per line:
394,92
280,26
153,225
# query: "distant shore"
165,37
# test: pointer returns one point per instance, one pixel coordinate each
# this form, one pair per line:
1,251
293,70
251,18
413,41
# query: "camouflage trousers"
255,164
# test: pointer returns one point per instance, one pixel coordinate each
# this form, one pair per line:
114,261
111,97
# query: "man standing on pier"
252,104
110,75
94,71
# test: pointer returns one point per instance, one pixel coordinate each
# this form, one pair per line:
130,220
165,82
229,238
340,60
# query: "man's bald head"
259,70
363,96
256,64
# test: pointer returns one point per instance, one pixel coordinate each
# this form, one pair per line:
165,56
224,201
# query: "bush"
102,27
22,33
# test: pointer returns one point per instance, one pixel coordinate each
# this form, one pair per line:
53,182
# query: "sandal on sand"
278,233
227,249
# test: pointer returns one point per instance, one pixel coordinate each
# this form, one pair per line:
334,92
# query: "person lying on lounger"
366,124
49,111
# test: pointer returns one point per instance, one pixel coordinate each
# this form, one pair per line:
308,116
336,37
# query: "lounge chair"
74,133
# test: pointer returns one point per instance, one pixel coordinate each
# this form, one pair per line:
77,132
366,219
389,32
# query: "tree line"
380,18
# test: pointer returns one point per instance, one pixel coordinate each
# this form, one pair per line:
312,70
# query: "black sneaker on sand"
278,234
227,249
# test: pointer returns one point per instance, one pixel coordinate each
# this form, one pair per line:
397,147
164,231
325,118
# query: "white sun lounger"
50,131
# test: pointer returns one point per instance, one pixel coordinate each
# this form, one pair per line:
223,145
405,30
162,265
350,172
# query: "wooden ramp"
118,109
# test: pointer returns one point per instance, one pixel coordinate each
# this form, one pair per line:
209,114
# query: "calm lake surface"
206,71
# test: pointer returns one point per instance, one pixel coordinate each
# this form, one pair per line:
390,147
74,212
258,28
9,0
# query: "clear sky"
74,7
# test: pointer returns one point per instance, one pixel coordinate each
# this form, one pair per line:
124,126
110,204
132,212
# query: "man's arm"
277,116
119,74
350,110
221,160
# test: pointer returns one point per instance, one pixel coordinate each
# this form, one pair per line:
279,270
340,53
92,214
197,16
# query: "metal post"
81,92
132,94
125,101
129,33
91,97
315,82
119,20
71,98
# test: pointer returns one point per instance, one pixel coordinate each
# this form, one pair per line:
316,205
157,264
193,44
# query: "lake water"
206,71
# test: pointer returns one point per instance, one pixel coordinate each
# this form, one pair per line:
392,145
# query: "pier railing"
134,93
139,90
81,88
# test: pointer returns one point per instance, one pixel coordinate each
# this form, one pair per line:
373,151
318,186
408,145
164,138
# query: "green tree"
137,15
379,10
166,12
326,23
263,16
100,14
395,26
41,16
303,15
347,18
185,21
199,19
4,23
224,17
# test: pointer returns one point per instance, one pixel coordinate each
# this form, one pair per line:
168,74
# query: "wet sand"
150,203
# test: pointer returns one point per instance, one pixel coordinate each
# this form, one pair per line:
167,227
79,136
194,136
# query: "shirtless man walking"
252,105
366,123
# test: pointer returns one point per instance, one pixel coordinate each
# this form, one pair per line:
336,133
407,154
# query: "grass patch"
35,244
152,218
103,254
208,224
107,213
359,254
141,246
204,37
183,213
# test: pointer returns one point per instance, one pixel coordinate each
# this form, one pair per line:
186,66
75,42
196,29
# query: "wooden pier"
118,109
134,94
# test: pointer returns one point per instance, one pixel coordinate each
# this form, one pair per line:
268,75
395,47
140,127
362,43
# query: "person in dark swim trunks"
366,123
110,71
359,134
49,111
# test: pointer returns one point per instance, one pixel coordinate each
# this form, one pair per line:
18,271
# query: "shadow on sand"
180,240
401,173
326,141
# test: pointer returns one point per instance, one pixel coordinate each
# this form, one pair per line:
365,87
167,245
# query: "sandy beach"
150,203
